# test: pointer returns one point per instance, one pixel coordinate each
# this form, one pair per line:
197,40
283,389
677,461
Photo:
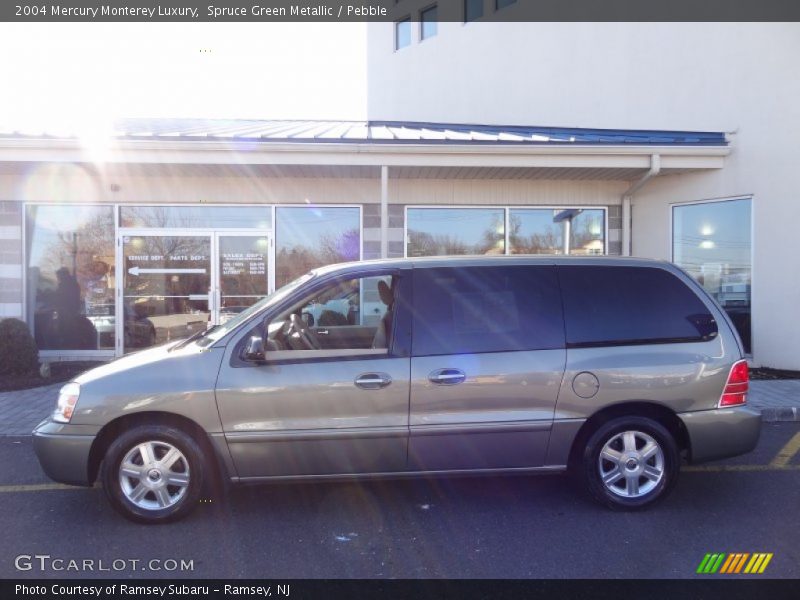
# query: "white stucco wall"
740,78
696,76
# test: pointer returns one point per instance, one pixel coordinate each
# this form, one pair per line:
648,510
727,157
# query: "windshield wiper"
195,336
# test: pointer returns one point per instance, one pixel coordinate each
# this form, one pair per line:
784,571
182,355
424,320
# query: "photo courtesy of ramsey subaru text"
615,370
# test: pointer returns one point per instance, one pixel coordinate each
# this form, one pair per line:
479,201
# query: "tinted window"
617,305
486,309
473,9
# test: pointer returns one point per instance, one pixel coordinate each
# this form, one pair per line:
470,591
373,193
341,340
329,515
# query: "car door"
487,360
322,410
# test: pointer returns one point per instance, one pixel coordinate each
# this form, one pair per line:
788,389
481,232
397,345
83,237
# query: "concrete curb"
775,415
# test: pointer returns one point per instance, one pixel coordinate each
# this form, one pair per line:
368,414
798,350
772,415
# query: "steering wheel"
298,327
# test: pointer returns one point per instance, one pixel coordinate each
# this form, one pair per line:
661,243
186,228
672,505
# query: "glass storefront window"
185,217
455,231
308,237
587,232
712,242
70,276
460,231
541,230
533,231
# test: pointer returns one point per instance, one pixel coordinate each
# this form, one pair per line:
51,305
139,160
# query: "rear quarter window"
486,309
631,305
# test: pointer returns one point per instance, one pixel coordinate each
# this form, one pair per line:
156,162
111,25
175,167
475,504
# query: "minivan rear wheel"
630,463
153,474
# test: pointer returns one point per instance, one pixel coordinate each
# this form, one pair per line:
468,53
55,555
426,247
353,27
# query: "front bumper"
721,432
64,457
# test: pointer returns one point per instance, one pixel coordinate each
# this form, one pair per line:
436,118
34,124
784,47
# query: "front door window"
351,316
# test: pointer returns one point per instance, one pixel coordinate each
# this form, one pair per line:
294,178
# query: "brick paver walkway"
21,411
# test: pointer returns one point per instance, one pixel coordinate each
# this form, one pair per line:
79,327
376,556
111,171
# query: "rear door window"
486,309
631,305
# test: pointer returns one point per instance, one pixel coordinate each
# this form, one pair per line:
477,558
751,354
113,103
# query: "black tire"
590,465
191,463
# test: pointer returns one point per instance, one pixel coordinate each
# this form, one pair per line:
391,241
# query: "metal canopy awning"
376,132
358,149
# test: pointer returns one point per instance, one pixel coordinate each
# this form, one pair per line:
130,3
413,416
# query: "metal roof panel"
378,132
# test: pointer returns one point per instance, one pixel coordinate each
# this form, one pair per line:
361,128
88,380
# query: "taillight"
735,391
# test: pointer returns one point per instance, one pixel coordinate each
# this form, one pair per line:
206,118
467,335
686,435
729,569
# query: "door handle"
447,376
322,332
373,381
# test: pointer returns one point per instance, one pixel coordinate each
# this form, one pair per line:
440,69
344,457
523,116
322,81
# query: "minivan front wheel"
153,474
630,463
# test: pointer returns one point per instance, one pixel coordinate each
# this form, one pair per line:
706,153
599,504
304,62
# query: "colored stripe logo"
737,562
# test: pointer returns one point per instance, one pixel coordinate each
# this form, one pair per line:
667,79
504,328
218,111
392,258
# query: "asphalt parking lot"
490,527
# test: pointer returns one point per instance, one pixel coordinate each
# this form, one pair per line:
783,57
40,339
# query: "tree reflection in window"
587,234
455,231
70,273
534,232
311,237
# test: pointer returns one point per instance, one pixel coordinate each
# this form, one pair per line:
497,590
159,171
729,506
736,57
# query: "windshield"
219,331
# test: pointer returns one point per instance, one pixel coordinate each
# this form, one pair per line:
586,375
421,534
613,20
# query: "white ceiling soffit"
349,171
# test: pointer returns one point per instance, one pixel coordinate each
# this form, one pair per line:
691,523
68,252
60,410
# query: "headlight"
67,399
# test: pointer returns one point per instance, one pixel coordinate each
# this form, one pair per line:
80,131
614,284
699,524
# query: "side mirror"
254,349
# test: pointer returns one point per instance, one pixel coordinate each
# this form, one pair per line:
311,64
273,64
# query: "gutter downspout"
627,195
384,211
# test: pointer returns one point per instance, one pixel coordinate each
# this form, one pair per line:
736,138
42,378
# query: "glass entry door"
176,283
165,291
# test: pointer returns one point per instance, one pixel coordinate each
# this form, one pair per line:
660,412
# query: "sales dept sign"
241,263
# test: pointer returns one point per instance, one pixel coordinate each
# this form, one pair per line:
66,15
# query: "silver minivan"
614,369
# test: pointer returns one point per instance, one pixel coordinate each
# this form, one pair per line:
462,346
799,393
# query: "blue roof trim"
385,132
589,135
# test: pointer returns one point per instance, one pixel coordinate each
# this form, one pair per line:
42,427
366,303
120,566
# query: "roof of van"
483,260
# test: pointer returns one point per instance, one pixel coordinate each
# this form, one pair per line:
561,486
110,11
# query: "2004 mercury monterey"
615,369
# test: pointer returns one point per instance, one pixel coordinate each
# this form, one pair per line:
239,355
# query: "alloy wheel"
154,475
631,464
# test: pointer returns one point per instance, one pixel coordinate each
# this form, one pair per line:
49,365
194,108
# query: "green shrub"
18,352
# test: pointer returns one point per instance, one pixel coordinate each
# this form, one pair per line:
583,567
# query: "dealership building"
669,141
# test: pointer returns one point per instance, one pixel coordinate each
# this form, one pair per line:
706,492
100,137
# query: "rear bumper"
722,432
64,458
